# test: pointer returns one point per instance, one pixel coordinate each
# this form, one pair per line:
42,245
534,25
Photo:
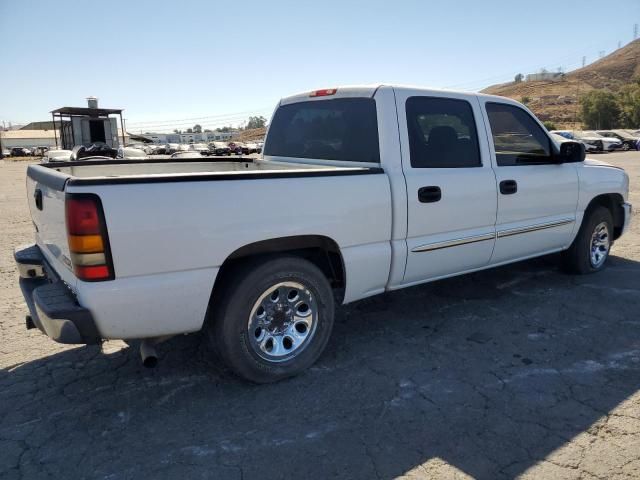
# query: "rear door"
451,187
537,197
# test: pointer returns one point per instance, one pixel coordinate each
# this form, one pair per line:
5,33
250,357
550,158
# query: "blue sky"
215,62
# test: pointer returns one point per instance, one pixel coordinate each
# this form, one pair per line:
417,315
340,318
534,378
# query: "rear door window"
442,133
338,129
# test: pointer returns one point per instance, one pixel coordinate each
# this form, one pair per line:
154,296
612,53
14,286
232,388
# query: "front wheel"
272,319
590,250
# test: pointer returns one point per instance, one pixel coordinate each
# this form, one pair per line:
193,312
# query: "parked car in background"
608,143
354,196
219,148
159,150
144,147
6,152
172,148
238,148
39,151
131,153
252,148
56,155
202,148
628,141
591,140
590,144
20,152
186,154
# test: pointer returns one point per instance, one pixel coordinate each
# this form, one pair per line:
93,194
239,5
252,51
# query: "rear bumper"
52,306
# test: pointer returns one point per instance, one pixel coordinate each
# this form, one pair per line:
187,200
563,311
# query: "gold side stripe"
534,228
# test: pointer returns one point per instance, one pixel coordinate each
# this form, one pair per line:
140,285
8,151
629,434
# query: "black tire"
232,306
577,258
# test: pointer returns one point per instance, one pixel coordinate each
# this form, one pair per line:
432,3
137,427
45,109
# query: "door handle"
429,194
508,187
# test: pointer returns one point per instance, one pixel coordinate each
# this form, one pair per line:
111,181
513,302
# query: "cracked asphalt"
519,372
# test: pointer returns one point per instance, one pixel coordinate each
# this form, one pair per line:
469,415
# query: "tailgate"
46,197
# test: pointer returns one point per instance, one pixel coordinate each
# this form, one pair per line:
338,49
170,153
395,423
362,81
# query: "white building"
34,138
203,137
536,77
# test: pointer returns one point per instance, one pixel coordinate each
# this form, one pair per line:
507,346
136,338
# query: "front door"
537,197
451,187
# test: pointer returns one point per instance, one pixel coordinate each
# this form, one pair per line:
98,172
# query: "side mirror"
571,152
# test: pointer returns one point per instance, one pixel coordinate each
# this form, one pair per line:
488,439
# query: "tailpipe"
148,350
148,354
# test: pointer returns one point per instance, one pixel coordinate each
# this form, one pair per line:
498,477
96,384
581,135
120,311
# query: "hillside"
557,100
250,135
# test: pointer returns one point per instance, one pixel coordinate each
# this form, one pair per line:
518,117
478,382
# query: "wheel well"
319,250
613,202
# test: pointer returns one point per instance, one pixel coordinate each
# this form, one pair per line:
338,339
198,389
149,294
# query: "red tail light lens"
87,238
324,92
82,216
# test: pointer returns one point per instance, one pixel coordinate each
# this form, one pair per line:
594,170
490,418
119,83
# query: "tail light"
324,92
88,239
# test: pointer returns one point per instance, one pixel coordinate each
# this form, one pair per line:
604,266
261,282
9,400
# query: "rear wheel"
272,319
590,250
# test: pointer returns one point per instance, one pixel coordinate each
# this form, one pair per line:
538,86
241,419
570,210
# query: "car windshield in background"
339,129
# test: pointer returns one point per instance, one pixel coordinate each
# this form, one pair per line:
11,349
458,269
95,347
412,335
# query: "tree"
177,131
518,78
223,129
189,130
256,122
206,130
525,100
549,125
599,110
197,128
629,104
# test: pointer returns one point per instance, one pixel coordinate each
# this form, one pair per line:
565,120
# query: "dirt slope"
557,100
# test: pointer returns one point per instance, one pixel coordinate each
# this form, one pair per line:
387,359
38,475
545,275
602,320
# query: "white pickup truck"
360,190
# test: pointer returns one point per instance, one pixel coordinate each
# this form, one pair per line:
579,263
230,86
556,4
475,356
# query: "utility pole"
635,31
584,61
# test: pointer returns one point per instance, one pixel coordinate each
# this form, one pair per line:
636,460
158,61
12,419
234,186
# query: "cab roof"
369,91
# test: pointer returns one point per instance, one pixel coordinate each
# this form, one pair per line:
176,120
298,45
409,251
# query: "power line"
221,116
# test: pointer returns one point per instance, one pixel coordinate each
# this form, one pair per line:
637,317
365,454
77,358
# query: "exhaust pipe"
148,350
148,354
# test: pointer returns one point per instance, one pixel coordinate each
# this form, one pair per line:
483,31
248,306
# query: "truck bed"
99,172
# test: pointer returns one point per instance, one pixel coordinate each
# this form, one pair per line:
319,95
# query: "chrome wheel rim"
282,322
600,244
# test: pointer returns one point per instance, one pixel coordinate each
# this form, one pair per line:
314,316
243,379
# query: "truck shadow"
485,375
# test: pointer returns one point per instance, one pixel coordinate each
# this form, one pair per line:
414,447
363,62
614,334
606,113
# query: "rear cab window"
337,129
